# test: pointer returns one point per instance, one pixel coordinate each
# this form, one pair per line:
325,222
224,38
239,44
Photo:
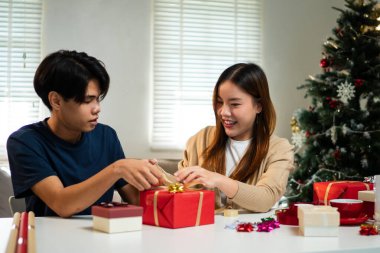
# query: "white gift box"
113,218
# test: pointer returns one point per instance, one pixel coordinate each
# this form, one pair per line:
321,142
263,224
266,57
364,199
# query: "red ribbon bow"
368,229
244,227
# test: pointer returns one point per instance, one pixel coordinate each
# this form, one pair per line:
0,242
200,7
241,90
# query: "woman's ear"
259,108
54,100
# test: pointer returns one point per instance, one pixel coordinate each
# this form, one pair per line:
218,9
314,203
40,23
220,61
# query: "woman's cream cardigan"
264,188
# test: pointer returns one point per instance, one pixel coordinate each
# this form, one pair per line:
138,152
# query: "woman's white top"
235,150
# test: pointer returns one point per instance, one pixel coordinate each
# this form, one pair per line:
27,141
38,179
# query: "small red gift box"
116,211
325,191
176,210
289,216
368,198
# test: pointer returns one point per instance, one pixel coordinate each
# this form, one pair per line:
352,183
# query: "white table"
55,234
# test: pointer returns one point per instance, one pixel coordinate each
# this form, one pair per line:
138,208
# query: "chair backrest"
16,205
6,191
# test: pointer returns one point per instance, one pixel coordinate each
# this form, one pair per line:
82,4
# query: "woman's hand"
199,175
209,179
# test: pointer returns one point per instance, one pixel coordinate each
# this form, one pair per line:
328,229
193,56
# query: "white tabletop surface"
75,234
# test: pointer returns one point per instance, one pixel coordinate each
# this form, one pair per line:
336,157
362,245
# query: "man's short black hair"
68,73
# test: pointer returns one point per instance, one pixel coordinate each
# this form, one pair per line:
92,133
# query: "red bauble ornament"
332,103
324,63
358,83
336,154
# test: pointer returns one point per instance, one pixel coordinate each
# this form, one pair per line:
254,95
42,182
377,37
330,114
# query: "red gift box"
325,191
368,198
177,210
289,216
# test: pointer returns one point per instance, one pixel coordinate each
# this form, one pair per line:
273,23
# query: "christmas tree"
338,136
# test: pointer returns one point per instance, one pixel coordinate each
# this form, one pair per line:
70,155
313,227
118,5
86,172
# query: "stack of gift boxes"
319,218
116,217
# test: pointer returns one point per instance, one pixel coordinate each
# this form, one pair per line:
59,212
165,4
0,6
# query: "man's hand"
142,174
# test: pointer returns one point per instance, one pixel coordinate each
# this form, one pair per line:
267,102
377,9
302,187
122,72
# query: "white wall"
119,33
294,32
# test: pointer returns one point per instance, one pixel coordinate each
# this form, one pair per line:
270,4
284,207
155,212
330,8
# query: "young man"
68,162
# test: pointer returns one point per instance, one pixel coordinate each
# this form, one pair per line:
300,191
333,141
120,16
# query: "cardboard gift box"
368,198
116,217
323,192
176,210
318,220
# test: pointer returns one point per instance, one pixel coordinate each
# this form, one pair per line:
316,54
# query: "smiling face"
236,110
69,118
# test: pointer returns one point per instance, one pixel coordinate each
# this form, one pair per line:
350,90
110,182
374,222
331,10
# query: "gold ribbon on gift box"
325,199
170,183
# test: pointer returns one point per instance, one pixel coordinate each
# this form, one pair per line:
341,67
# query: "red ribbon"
244,227
368,229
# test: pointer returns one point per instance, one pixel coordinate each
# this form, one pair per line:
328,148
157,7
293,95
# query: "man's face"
75,117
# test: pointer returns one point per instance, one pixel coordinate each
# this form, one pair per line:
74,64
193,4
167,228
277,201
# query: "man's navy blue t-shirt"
35,153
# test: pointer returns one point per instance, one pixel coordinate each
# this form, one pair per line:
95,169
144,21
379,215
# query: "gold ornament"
294,125
331,43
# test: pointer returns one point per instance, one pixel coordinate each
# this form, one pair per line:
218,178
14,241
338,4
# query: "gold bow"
175,187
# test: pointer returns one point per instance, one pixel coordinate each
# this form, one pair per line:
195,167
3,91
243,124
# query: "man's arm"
67,201
129,194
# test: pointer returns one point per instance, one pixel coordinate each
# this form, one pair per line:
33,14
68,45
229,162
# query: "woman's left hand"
200,176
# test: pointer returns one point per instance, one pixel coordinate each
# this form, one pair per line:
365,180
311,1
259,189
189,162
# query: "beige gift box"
318,220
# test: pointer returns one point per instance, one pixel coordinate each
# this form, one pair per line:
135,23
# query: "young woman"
240,157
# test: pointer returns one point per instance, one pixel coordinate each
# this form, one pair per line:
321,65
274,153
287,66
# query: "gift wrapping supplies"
22,236
116,217
318,220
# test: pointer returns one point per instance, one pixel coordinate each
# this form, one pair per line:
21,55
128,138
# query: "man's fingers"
136,184
153,161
